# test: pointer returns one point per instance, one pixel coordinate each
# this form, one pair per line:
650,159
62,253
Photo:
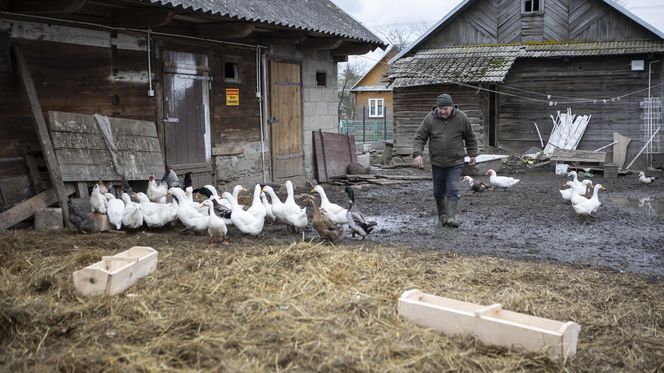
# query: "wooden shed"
229,91
511,63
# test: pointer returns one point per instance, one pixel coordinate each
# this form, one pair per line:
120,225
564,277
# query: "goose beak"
603,189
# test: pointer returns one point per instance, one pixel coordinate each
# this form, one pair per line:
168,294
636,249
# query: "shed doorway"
187,116
286,120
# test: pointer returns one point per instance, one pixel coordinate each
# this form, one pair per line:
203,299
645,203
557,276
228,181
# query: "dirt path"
530,222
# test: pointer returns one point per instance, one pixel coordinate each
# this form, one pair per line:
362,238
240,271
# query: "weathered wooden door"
286,120
187,116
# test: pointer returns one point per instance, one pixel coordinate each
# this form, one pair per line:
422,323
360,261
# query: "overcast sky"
376,14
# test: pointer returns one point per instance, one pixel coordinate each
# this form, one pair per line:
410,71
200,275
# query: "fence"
368,130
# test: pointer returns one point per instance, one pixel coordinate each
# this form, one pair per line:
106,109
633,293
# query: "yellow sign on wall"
232,97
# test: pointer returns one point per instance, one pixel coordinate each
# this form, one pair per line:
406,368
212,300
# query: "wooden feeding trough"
490,324
483,163
114,274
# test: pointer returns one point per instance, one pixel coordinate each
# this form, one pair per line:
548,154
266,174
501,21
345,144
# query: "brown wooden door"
286,120
186,117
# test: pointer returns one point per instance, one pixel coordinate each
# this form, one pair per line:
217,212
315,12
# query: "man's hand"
418,161
472,161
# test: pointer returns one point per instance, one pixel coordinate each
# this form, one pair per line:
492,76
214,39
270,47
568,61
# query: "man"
447,129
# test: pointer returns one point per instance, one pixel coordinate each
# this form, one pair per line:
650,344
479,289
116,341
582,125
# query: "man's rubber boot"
452,213
442,210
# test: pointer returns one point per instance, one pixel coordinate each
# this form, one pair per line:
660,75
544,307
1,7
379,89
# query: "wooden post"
364,124
42,132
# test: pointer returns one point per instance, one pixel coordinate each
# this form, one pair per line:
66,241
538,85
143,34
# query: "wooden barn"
511,63
227,90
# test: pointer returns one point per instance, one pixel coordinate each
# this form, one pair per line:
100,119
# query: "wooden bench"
580,159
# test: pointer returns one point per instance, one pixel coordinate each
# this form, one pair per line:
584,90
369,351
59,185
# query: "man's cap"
444,100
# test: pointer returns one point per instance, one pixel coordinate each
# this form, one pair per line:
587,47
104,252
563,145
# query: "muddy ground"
530,222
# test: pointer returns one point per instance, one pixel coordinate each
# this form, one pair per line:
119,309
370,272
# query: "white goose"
578,186
277,206
187,214
591,205
567,193
502,182
257,209
243,220
268,208
646,179
131,216
295,215
334,212
157,215
114,210
577,197
216,228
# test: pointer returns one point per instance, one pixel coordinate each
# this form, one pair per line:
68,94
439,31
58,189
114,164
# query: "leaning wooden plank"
620,149
30,206
491,325
42,133
114,274
362,177
388,181
404,177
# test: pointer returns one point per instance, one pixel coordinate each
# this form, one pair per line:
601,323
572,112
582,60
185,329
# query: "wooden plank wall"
114,82
508,14
68,77
556,19
362,101
501,21
83,155
476,25
589,77
595,21
411,105
532,27
235,125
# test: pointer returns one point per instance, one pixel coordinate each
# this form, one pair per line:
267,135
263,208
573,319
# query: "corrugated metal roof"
465,3
308,15
477,64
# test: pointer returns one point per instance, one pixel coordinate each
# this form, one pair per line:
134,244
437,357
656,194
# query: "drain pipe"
259,98
150,90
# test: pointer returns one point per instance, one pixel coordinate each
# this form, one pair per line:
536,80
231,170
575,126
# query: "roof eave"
635,18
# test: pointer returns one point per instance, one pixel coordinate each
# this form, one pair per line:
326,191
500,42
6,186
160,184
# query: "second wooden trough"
490,324
114,274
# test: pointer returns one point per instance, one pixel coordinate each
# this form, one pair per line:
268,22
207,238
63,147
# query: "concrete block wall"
319,102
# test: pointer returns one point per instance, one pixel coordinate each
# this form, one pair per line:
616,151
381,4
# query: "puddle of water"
649,205
390,222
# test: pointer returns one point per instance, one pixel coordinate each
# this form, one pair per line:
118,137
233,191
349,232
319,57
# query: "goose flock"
582,194
165,203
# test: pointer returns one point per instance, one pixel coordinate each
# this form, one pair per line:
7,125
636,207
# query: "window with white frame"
376,108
